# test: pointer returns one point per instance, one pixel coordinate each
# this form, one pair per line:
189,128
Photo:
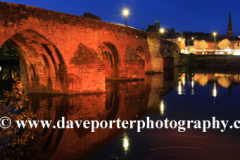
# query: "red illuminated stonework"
62,53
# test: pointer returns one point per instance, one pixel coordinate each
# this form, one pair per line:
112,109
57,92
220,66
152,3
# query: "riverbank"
212,62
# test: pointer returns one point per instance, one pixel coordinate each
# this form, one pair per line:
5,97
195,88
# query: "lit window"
174,40
198,46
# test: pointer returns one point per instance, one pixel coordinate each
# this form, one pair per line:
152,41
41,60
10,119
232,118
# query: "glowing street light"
192,38
179,39
188,39
126,13
214,35
162,30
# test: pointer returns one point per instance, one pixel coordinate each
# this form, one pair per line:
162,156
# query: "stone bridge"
63,53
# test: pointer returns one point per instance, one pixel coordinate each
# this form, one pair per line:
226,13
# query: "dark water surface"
175,94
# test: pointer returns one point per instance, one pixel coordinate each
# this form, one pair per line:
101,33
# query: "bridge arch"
42,68
140,52
134,63
109,54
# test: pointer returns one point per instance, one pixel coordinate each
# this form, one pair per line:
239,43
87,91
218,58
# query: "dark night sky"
183,15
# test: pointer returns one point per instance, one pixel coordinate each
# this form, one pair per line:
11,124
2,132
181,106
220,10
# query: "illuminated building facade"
224,45
208,43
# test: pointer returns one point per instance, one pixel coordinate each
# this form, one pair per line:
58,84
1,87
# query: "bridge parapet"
13,14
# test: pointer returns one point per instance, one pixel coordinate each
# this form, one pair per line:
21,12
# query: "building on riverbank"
223,45
203,43
208,44
153,28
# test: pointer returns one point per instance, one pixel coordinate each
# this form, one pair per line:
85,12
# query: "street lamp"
162,30
192,38
214,35
126,13
193,43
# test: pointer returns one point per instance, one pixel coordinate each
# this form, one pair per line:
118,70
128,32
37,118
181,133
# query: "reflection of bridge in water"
127,101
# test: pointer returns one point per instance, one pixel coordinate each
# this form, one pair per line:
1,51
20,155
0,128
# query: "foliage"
224,44
4,48
202,44
7,50
176,54
90,15
12,103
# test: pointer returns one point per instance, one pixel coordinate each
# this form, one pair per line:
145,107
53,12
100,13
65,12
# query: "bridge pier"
154,42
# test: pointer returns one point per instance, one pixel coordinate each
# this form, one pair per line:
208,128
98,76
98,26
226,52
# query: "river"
177,94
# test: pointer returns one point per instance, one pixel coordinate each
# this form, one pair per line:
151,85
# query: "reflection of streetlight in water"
214,92
192,83
125,142
179,88
162,107
183,81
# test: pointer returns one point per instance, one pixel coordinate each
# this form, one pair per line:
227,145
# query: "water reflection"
179,88
183,79
214,90
192,84
196,104
125,143
224,80
162,107
203,79
132,101
122,100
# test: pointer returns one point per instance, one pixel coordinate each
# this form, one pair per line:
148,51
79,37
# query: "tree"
202,44
90,15
12,105
224,44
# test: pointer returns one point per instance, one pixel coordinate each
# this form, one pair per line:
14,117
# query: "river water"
176,94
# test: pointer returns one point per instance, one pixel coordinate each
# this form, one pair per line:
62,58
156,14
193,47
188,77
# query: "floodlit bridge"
63,53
